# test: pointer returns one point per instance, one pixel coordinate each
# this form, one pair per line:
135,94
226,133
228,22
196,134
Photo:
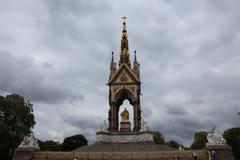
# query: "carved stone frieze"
124,138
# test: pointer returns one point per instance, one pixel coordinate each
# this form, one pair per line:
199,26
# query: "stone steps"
151,155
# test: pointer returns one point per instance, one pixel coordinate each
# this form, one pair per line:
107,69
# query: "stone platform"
140,155
124,137
124,148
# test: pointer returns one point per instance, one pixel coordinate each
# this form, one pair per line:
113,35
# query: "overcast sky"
56,53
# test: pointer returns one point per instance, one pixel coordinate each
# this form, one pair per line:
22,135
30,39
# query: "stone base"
125,127
221,151
134,147
130,152
124,137
24,153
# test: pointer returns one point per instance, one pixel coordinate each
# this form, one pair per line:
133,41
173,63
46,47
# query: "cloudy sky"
56,53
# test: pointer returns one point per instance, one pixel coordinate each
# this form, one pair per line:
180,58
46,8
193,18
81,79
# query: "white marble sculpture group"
29,142
215,138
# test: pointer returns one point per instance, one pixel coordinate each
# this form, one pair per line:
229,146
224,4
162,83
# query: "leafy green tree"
16,121
158,137
173,144
5,146
200,140
50,145
232,137
74,142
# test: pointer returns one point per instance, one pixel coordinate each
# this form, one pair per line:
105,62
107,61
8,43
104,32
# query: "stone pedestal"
125,127
26,149
220,151
24,153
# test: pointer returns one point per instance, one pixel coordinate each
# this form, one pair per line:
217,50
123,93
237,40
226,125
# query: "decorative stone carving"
217,145
123,77
100,129
132,88
124,138
144,126
29,142
103,127
126,88
115,89
215,138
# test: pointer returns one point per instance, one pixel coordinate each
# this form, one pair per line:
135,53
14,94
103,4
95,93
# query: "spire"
124,50
112,57
135,56
136,64
113,64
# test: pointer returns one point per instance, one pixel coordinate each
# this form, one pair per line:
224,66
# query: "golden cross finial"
124,18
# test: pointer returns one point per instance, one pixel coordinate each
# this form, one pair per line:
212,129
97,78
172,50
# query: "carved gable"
124,75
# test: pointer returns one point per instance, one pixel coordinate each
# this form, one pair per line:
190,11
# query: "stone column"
111,117
137,117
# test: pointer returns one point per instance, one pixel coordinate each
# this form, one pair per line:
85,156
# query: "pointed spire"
124,40
113,64
124,50
112,57
135,56
136,64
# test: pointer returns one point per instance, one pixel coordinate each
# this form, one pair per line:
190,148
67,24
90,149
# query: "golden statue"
125,115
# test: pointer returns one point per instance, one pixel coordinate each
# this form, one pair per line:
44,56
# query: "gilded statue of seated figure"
125,115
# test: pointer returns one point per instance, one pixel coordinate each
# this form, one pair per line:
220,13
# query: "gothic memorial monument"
124,83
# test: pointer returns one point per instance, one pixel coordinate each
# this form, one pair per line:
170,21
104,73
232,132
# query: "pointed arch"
122,94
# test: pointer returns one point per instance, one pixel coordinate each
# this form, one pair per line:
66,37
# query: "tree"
232,137
50,145
200,140
16,121
73,142
158,137
173,144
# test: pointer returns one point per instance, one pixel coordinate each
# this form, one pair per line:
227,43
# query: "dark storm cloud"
85,122
175,110
57,53
21,75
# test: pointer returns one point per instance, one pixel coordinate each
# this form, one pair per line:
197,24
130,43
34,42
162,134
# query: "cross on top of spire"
124,18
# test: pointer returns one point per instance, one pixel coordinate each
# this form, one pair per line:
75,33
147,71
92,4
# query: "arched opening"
124,98
126,104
